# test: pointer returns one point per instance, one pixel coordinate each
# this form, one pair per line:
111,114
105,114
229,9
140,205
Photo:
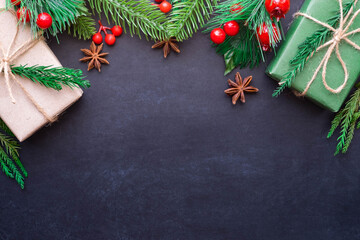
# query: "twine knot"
339,35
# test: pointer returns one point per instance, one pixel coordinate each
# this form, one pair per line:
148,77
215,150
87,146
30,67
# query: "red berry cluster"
230,28
110,39
164,5
276,8
43,21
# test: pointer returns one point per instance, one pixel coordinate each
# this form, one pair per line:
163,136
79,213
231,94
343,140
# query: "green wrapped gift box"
302,28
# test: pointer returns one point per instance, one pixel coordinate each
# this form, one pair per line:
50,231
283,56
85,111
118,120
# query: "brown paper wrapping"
23,118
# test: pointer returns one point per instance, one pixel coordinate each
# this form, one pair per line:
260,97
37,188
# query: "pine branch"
241,50
9,156
350,133
10,164
52,77
21,166
83,28
5,128
5,168
10,144
251,17
188,16
138,15
64,13
335,123
347,119
307,48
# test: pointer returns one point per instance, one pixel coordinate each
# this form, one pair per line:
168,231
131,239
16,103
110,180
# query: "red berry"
165,6
97,38
231,28
236,8
22,13
217,35
116,30
158,1
264,36
277,8
44,21
110,39
15,2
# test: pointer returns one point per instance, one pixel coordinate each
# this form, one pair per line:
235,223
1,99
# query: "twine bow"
7,60
339,35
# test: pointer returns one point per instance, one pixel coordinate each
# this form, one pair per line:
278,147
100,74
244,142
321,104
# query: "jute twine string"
339,35
7,60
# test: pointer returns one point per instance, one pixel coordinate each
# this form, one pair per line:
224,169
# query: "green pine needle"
139,16
5,128
52,77
10,144
9,158
187,17
241,50
5,168
251,17
335,123
346,119
12,167
84,28
64,13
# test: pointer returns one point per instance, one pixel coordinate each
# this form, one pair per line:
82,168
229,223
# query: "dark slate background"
155,150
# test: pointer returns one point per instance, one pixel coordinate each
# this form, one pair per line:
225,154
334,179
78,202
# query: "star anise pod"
167,45
94,57
237,89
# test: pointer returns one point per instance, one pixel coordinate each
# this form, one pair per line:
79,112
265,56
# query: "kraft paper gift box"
23,118
302,28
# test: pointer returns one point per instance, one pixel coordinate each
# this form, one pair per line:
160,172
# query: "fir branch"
21,166
10,164
52,77
347,119
335,123
5,128
9,156
187,17
64,13
6,169
350,132
10,144
241,50
138,15
307,48
83,28
251,17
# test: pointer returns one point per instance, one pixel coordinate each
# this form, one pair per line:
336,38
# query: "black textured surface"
155,150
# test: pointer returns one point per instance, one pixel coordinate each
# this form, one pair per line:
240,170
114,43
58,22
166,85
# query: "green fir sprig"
307,48
83,28
64,13
241,50
52,77
244,50
139,16
187,17
9,155
347,120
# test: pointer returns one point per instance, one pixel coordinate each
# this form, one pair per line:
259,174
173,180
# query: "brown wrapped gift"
35,104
